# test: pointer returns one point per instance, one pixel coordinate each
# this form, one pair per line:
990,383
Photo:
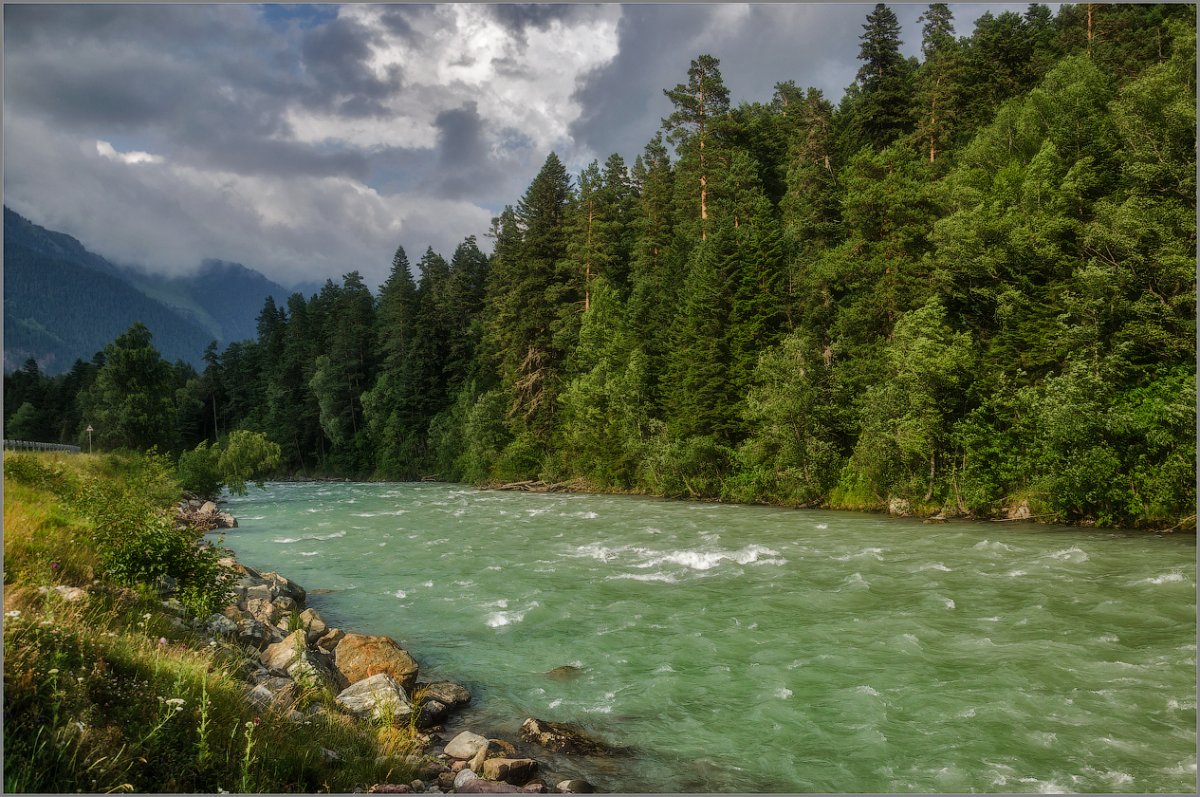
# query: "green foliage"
199,472
243,456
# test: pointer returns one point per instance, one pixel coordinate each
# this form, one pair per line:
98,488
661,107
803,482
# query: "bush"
243,457
198,470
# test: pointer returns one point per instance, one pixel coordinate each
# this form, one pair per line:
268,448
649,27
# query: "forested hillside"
968,285
63,303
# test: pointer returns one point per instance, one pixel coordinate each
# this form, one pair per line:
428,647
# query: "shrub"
243,457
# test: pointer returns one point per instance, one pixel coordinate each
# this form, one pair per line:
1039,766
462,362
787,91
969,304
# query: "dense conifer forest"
970,283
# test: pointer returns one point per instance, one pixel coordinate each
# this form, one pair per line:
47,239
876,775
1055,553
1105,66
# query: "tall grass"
114,693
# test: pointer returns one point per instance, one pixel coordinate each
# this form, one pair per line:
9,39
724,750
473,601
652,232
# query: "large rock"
329,641
463,777
257,635
313,625
448,693
263,610
222,625
378,697
560,737
575,786
224,520
517,771
303,665
432,713
208,508
466,745
360,656
282,586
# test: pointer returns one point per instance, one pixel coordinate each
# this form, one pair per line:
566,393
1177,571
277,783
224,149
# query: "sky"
306,141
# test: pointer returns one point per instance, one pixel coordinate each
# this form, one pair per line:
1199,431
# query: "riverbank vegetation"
109,689
967,288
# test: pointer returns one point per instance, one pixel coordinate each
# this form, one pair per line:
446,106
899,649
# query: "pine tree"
938,80
701,100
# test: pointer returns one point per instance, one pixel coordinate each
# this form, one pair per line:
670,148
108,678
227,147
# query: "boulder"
68,594
463,777
257,635
378,697
575,786
561,737
476,762
565,672
445,781
220,624
433,712
208,508
313,625
466,745
284,603
263,610
517,771
448,693
506,749
329,641
224,520
254,589
360,656
293,657
282,586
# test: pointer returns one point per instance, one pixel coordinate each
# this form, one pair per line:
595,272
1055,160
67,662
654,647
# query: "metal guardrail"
29,445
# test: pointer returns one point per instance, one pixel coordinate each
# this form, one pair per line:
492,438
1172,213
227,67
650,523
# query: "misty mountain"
63,302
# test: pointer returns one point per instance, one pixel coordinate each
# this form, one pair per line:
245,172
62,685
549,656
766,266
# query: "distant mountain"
63,302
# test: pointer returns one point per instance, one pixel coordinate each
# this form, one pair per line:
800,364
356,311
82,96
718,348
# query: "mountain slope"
63,302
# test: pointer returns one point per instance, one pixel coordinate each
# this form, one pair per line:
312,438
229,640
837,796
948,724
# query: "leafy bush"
243,457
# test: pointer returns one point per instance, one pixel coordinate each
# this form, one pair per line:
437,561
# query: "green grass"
116,693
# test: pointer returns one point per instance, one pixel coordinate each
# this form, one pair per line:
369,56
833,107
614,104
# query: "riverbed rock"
282,586
506,749
379,697
448,693
208,508
466,745
329,641
516,771
313,625
433,713
360,656
561,737
224,520
565,673
575,786
476,762
284,603
463,777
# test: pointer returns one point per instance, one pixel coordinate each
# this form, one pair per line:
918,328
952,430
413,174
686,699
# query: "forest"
968,285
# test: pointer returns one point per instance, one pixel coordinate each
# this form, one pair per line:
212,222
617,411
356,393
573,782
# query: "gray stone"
225,520
433,713
208,508
261,696
448,693
284,603
462,777
465,745
575,786
516,771
377,697
561,737
313,625
330,639
220,624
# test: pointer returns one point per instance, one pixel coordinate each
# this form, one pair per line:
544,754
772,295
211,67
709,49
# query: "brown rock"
360,656
330,639
516,771
481,786
504,747
560,737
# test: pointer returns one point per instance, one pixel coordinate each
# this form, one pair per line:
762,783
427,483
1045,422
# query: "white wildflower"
14,613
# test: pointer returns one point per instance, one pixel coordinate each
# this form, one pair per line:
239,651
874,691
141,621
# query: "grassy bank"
108,688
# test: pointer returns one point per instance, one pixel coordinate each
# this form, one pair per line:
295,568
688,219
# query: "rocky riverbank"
298,665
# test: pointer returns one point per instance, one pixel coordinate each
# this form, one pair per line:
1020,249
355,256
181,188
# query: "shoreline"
289,648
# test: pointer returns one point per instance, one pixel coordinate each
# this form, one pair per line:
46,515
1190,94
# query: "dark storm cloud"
517,17
465,167
335,56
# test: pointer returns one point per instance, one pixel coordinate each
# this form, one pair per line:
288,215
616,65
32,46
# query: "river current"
757,649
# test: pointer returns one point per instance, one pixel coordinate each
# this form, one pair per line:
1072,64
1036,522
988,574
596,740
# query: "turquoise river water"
757,649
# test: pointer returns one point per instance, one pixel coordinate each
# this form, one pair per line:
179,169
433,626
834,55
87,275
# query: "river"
758,649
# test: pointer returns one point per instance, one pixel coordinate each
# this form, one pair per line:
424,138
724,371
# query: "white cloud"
170,216
106,150
462,53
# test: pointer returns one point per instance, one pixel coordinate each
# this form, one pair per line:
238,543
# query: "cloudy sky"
306,141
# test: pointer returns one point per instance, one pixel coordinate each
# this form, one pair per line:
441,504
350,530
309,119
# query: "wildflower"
13,613
79,679
174,701
55,566
146,616
53,671
162,640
